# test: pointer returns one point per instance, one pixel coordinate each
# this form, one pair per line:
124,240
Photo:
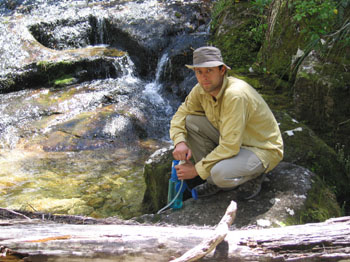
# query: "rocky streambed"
87,91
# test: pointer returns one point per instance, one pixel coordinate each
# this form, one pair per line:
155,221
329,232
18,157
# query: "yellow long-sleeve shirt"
242,118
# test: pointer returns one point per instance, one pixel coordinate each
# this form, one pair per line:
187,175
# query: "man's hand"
186,171
182,152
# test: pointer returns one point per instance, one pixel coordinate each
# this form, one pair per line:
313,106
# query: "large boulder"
290,194
305,148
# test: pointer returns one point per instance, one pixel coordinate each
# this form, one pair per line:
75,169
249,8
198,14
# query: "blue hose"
173,200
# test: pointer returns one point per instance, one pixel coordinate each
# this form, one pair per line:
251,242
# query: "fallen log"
38,240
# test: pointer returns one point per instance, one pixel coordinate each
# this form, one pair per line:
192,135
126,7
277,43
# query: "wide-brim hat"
207,56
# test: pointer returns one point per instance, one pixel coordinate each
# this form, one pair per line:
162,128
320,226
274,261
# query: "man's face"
210,78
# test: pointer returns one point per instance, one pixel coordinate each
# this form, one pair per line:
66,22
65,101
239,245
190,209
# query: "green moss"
64,81
48,65
233,33
274,91
156,178
178,15
321,205
282,43
306,149
56,73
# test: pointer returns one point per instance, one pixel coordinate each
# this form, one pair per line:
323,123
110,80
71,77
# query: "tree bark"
327,241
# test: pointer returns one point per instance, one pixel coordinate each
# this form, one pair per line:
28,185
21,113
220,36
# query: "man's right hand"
182,152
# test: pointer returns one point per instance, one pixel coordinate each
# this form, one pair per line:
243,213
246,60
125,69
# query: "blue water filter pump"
177,188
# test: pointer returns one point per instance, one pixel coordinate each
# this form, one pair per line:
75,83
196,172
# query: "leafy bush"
316,17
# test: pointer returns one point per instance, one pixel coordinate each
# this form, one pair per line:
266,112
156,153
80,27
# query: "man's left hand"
186,171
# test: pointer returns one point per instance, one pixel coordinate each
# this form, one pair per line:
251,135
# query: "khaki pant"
203,137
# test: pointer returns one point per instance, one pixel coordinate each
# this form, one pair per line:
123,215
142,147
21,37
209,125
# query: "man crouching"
228,129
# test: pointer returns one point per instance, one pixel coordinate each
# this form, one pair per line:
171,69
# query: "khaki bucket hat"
207,56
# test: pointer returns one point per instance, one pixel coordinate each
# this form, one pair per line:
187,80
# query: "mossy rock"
64,81
290,36
321,95
303,147
60,73
157,171
320,205
233,33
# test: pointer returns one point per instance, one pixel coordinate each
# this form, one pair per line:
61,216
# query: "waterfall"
151,91
128,71
100,31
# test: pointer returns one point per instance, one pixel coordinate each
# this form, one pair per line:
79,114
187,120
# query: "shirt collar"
224,86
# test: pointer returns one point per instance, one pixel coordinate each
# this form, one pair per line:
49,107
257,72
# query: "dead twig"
207,245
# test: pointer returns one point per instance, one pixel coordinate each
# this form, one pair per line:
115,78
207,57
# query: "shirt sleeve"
232,123
191,106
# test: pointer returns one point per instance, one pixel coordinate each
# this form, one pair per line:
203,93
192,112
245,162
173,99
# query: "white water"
151,91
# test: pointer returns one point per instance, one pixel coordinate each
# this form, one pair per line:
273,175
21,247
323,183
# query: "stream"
60,152
84,108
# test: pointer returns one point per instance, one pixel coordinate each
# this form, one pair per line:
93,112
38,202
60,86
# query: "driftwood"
208,245
36,239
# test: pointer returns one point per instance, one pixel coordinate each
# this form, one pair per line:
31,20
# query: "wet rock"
103,128
54,73
50,30
176,77
156,175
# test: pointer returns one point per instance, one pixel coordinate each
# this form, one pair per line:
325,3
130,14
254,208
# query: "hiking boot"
251,188
206,189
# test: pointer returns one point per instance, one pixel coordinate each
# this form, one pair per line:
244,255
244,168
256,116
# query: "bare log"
208,245
327,241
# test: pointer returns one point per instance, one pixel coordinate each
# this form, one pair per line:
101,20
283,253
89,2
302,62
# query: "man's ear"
223,69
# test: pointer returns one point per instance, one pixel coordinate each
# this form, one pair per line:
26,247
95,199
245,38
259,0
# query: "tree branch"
14,212
207,245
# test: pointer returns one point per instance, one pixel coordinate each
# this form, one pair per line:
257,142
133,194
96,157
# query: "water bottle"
175,189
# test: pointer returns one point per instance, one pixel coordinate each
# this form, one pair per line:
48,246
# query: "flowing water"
78,147
81,170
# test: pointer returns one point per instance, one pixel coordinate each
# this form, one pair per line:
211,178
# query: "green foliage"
316,17
218,8
258,30
261,5
238,30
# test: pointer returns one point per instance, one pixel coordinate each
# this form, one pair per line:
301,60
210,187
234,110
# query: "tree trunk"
39,240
